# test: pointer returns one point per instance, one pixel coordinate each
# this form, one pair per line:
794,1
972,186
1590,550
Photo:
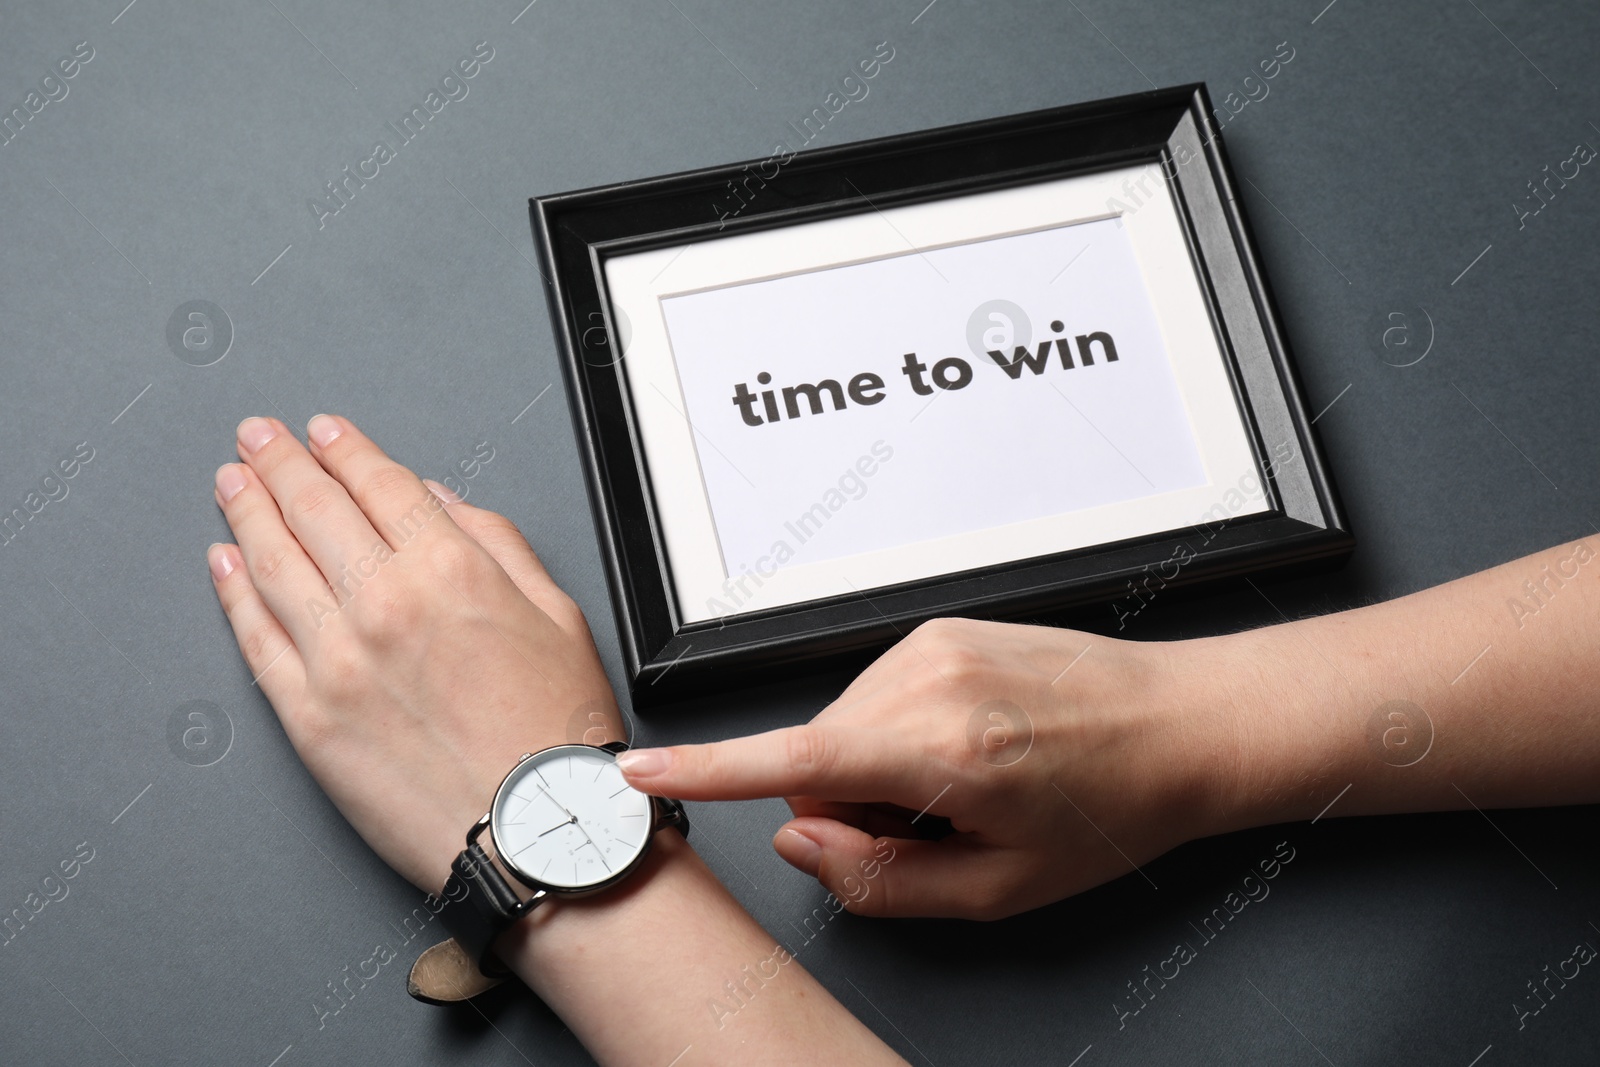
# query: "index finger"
815,760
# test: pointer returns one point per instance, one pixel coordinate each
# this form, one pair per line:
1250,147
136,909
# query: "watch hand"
586,838
558,804
557,826
598,851
545,791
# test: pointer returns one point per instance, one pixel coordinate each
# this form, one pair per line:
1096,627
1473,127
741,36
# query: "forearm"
670,962
1504,673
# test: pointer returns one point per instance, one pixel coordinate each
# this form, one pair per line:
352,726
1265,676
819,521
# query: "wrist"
1177,745
678,952
573,819
1198,699
547,947
1279,708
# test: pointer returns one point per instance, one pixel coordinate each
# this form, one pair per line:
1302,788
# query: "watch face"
566,819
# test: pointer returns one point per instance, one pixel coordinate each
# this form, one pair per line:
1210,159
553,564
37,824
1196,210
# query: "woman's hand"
1061,760
412,645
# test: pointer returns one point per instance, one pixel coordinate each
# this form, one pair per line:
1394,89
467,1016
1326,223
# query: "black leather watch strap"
479,905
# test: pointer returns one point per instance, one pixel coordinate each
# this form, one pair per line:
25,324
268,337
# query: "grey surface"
1384,161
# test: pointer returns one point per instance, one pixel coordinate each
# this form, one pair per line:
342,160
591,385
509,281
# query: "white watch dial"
566,818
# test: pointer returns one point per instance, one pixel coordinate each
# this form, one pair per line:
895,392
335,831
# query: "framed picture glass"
1018,366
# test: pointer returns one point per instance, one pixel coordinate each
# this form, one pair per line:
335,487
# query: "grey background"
221,899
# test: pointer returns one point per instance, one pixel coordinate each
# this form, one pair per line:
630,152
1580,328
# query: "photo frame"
1018,367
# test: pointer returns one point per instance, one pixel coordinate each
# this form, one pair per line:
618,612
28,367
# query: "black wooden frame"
667,659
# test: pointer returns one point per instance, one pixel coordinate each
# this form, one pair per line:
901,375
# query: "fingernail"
221,562
230,479
801,851
254,434
323,430
644,762
444,493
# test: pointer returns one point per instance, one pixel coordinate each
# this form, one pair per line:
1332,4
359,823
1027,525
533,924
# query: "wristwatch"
563,823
